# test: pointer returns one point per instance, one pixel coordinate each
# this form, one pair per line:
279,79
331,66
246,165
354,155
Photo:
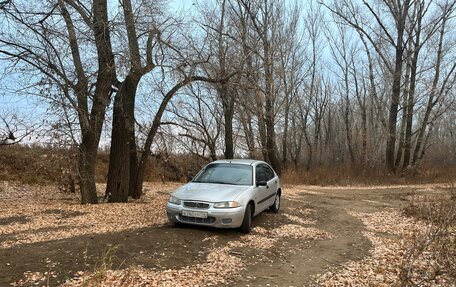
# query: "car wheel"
276,206
247,221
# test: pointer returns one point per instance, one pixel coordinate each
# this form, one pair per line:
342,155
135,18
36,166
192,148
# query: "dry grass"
32,165
436,245
38,165
41,165
359,175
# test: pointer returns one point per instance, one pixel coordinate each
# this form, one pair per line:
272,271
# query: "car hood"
209,192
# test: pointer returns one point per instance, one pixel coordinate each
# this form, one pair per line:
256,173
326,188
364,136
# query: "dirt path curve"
298,261
290,262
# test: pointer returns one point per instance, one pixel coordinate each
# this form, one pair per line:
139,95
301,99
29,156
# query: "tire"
246,226
276,205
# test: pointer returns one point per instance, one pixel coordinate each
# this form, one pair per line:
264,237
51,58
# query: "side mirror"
190,178
261,183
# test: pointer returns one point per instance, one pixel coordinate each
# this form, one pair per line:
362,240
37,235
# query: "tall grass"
359,175
40,165
432,254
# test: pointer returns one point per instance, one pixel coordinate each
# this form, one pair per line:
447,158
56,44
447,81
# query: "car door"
265,193
272,184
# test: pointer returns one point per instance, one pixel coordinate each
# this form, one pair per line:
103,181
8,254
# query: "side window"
263,173
260,173
269,172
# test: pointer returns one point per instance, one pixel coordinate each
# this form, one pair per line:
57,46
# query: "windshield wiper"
214,181
219,182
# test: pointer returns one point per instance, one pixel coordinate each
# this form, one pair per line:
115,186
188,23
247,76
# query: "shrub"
435,247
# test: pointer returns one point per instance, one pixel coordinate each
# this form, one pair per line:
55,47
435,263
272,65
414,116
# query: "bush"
434,248
34,165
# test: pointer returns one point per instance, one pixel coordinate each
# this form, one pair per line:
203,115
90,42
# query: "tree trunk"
409,113
148,144
309,151
133,167
228,113
270,137
400,148
224,90
246,121
229,146
347,122
395,96
269,102
91,132
362,106
285,129
411,95
86,166
262,130
122,142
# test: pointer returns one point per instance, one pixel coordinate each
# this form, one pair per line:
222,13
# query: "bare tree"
436,93
263,18
217,25
290,71
199,120
123,161
88,92
343,52
390,43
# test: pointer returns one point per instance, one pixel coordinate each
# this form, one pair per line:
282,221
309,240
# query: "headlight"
227,204
174,200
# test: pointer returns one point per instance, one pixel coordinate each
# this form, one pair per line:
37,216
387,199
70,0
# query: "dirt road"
313,234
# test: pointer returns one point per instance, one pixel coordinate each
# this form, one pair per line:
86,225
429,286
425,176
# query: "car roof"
239,161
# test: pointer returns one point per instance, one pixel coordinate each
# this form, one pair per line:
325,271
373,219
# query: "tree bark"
91,133
411,95
228,113
396,88
400,147
123,164
123,146
86,165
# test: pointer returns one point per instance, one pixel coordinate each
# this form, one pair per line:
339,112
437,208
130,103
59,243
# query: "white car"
226,194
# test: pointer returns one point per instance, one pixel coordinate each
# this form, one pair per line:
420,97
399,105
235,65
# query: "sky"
13,101
33,108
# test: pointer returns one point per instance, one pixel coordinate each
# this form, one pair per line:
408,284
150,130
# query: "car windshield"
226,173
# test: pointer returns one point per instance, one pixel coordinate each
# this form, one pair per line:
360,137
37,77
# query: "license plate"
197,214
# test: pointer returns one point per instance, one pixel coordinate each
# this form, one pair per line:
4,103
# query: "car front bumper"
216,217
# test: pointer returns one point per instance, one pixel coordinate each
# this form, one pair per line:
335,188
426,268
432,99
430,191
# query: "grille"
195,204
189,219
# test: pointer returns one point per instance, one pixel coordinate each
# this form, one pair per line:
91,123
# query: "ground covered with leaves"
332,236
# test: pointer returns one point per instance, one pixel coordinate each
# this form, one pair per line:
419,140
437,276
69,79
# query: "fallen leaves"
299,220
300,232
392,235
33,214
219,266
49,214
